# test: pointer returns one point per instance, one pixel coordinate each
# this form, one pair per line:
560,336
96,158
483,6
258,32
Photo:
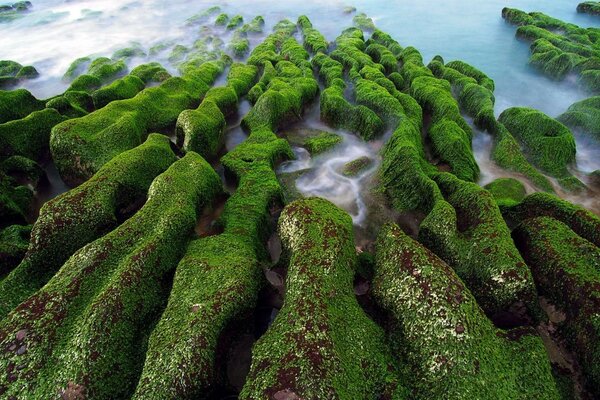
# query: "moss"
255,26
9,68
319,345
222,19
203,16
583,115
81,146
362,21
239,44
589,7
470,71
468,232
201,130
85,83
506,191
23,169
583,222
124,88
590,80
129,52
13,245
241,78
380,54
282,101
548,143
178,53
77,217
355,167
336,110
17,104
29,136
450,144
72,104
216,283
27,72
107,294
565,267
314,41
449,133
235,22
151,72
76,68
386,40
439,331
106,69
322,142
507,154
15,201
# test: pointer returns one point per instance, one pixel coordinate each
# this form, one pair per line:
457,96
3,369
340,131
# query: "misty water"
54,33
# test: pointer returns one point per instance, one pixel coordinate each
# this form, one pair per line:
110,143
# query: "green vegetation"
17,104
99,307
13,245
468,232
314,41
583,115
81,146
565,268
355,167
11,72
589,7
201,130
439,331
315,337
506,191
322,142
548,143
81,215
559,48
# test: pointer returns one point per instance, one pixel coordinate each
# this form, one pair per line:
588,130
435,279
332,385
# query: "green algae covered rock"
321,344
437,329
201,130
235,22
336,110
468,232
314,41
81,146
81,215
506,191
100,306
566,269
549,144
13,245
11,72
216,283
17,104
29,136
239,44
362,21
76,68
322,142
583,222
450,134
151,72
355,167
124,88
589,7
23,169
15,201
583,115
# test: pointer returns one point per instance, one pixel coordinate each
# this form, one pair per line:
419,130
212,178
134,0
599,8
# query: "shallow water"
54,33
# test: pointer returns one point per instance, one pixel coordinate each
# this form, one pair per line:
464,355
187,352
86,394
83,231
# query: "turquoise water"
55,33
